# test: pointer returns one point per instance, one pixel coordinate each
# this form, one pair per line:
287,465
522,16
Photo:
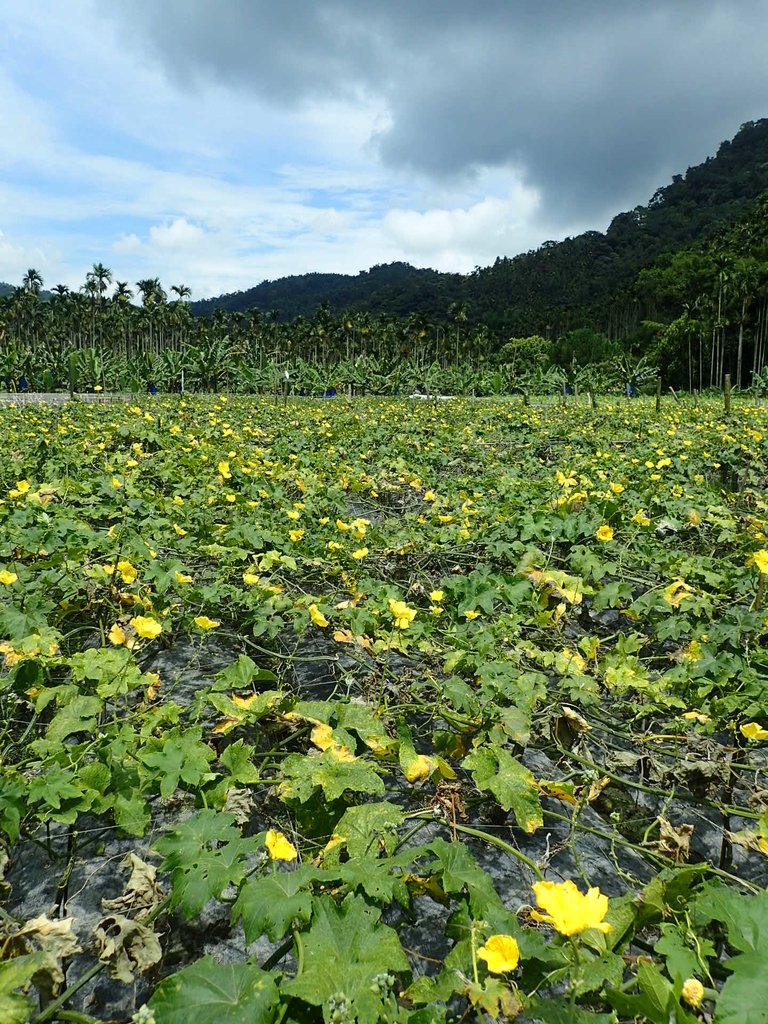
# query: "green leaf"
745,917
272,903
377,878
345,950
557,1011
656,1001
495,771
17,973
744,997
181,756
112,669
460,873
237,760
682,961
204,854
368,827
13,805
80,715
241,674
303,774
55,785
132,813
211,993
593,974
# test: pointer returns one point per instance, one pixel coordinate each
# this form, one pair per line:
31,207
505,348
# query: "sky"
220,143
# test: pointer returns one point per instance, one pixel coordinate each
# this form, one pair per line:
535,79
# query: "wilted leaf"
126,946
142,891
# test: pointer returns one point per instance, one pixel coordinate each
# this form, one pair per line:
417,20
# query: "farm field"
380,710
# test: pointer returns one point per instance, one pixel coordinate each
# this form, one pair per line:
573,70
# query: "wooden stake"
658,394
727,394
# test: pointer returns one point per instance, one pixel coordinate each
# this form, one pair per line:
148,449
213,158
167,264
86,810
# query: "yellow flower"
250,579
429,496
641,518
570,911
436,596
116,483
182,577
616,488
401,613
116,635
146,627
696,716
760,559
7,577
127,571
295,535
223,468
752,731
203,622
317,616
279,847
692,992
471,613
501,953
605,533
179,530
360,553
436,609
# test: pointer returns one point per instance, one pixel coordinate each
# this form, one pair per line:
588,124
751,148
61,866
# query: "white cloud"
110,150
179,234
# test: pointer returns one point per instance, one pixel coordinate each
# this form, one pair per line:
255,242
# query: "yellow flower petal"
116,636
752,731
279,847
203,622
501,953
317,616
146,627
568,910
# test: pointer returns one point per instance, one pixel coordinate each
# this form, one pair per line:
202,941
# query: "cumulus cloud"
591,101
223,144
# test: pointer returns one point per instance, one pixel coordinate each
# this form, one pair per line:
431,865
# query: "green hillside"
555,286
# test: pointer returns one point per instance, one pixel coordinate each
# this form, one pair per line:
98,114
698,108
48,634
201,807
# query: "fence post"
727,394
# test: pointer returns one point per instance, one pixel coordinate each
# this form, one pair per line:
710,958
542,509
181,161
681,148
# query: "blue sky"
221,144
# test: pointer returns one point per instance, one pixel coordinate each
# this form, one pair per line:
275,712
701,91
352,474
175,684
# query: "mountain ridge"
513,293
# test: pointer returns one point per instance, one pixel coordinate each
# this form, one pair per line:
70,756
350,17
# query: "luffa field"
383,711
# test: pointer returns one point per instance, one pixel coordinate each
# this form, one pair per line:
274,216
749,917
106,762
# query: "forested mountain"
395,289
552,288
680,284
